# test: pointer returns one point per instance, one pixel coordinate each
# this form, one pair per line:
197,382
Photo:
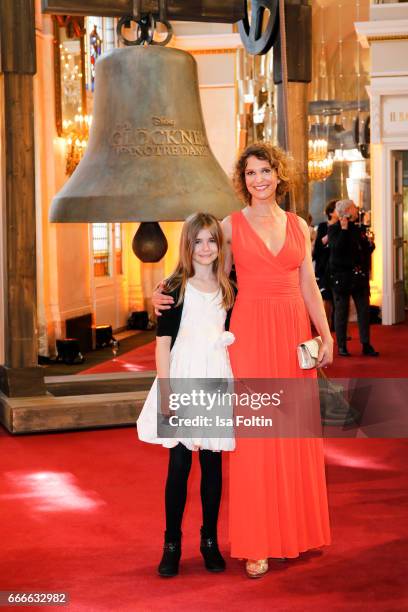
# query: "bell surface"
148,158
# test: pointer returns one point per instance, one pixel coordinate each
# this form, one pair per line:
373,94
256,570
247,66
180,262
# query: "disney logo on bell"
163,121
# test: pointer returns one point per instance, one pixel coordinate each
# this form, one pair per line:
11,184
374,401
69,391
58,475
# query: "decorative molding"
370,31
389,10
218,86
375,114
211,51
387,38
389,75
216,43
398,85
378,93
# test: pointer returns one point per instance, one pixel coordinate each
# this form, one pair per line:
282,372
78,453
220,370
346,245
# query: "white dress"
200,351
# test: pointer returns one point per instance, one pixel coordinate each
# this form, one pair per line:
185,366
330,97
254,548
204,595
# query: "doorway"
399,231
107,275
405,223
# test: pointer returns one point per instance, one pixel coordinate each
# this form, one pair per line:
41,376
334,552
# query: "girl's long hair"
185,269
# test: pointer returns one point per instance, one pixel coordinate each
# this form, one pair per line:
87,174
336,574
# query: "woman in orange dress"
278,498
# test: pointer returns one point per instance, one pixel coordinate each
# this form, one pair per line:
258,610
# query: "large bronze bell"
148,158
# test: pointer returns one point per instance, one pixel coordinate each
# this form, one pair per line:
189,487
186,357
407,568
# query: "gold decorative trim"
210,51
387,37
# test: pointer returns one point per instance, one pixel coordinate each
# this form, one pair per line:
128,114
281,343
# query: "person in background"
312,230
321,254
349,265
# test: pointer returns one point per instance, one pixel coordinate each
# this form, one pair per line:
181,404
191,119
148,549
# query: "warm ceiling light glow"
318,149
320,170
76,134
348,155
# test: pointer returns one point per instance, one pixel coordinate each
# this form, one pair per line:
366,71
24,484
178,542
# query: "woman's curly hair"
277,158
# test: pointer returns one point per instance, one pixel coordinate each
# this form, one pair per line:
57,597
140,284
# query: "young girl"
191,343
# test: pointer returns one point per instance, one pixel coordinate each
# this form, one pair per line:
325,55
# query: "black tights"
176,490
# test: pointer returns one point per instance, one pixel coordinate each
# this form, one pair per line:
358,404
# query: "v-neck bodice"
263,241
261,272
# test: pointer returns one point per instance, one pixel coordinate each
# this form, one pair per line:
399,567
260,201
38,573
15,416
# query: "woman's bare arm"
313,300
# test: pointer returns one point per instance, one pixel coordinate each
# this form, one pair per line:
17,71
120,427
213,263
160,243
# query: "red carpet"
140,359
82,512
390,341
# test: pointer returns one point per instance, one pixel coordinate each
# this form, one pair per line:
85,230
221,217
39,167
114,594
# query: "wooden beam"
99,8
20,221
20,374
48,413
17,36
228,11
109,382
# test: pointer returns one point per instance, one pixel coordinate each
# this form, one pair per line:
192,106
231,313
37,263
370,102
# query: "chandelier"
320,170
75,134
318,149
320,164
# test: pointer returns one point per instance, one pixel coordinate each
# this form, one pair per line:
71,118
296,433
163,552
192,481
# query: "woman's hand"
161,301
325,356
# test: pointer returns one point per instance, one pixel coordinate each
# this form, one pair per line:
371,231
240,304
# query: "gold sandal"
256,569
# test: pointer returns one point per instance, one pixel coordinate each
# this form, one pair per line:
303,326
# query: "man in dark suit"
349,266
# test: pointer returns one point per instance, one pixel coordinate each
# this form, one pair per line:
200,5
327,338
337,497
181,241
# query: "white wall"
387,36
216,73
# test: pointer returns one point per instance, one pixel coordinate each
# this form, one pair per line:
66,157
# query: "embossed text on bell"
148,157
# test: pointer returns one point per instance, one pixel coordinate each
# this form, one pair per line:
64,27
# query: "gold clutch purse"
308,353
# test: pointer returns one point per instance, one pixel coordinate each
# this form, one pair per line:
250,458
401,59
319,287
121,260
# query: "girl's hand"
165,409
325,356
165,392
161,301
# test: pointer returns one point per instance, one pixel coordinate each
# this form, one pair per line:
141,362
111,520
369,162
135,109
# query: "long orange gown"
278,497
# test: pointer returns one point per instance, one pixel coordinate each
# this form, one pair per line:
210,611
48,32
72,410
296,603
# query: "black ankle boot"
169,564
213,559
369,350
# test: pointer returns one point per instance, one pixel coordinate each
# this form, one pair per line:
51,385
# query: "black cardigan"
168,324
